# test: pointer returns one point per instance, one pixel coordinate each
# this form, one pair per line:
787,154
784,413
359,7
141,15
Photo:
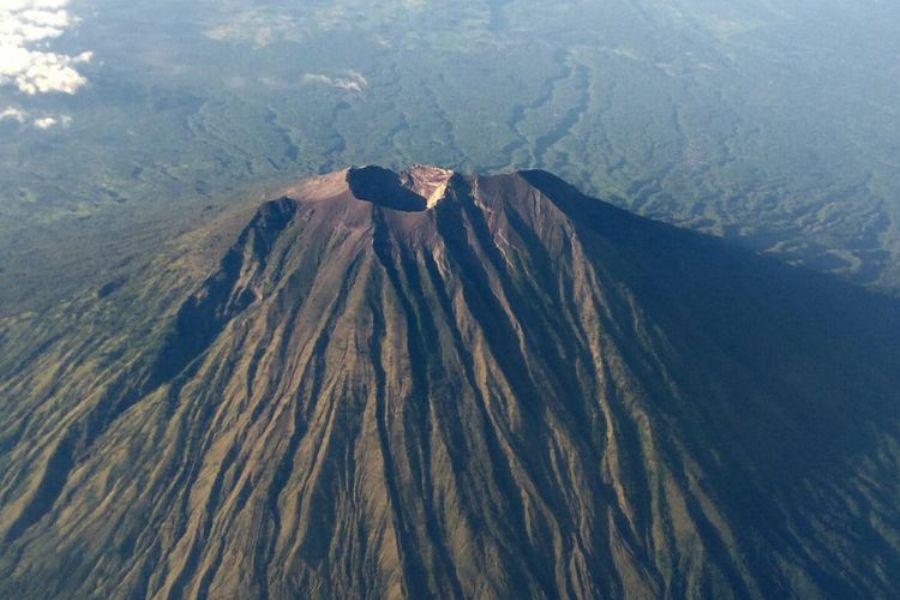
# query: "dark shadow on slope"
742,302
384,188
203,316
808,405
712,271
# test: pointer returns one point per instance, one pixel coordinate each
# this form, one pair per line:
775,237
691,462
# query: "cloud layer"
353,82
25,24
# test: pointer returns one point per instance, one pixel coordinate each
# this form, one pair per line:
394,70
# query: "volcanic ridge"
429,384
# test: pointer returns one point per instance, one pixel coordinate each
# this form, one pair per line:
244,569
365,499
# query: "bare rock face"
428,182
423,384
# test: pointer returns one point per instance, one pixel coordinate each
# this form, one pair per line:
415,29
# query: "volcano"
425,384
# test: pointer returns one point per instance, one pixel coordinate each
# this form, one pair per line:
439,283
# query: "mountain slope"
423,384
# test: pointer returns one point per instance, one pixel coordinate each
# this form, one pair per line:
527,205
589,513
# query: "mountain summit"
416,189
424,384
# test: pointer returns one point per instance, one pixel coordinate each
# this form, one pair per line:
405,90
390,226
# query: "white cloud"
11,113
48,121
352,82
45,122
25,24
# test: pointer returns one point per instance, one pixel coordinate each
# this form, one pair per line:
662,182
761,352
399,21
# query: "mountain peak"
522,391
416,189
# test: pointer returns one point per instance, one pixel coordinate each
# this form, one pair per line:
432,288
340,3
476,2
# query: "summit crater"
416,189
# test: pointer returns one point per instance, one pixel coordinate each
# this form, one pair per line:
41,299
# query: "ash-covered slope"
428,385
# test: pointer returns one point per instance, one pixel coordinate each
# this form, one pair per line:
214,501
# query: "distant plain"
773,126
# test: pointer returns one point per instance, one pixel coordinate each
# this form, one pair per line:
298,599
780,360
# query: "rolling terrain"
425,384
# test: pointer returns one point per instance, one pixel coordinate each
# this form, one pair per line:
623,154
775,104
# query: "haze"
775,124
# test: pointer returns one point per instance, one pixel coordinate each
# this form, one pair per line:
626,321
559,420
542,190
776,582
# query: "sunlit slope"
429,385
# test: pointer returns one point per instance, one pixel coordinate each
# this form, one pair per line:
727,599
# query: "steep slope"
428,385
